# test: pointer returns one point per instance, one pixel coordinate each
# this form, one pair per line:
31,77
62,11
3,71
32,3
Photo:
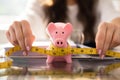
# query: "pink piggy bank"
59,33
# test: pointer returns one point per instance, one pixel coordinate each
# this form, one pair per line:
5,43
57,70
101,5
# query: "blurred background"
11,10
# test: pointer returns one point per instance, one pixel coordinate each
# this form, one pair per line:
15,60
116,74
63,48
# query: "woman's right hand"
19,33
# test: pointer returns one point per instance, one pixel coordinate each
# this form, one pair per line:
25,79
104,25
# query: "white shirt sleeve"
34,14
107,10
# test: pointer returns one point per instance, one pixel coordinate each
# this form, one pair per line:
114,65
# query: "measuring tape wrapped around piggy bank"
59,50
59,33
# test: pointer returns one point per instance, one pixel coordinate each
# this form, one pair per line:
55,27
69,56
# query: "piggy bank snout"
59,42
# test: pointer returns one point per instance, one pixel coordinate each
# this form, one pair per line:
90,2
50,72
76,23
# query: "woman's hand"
19,33
108,36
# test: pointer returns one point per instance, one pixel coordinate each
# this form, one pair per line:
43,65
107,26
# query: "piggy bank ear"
68,27
51,27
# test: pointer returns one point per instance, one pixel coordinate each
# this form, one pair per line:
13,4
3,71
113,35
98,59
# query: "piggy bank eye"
56,32
62,32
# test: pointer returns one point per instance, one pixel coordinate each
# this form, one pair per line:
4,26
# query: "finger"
100,37
116,37
8,36
29,41
108,38
27,34
13,36
19,35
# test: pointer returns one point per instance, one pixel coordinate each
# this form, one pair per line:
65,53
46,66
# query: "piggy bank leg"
68,67
49,59
68,58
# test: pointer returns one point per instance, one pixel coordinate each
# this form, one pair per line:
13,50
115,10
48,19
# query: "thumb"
28,42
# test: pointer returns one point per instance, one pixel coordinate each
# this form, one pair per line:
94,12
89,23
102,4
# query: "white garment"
35,15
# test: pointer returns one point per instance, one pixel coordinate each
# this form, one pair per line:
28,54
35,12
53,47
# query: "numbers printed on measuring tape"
55,51
59,52
64,51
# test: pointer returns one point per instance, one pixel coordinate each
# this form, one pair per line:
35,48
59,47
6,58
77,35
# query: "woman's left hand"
107,37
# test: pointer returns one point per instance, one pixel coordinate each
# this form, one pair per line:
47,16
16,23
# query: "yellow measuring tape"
5,63
55,51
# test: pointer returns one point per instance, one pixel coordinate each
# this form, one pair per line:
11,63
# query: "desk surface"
35,68
85,69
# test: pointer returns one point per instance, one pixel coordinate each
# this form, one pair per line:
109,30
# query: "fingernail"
24,53
99,51
15,42
28,48
102,56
